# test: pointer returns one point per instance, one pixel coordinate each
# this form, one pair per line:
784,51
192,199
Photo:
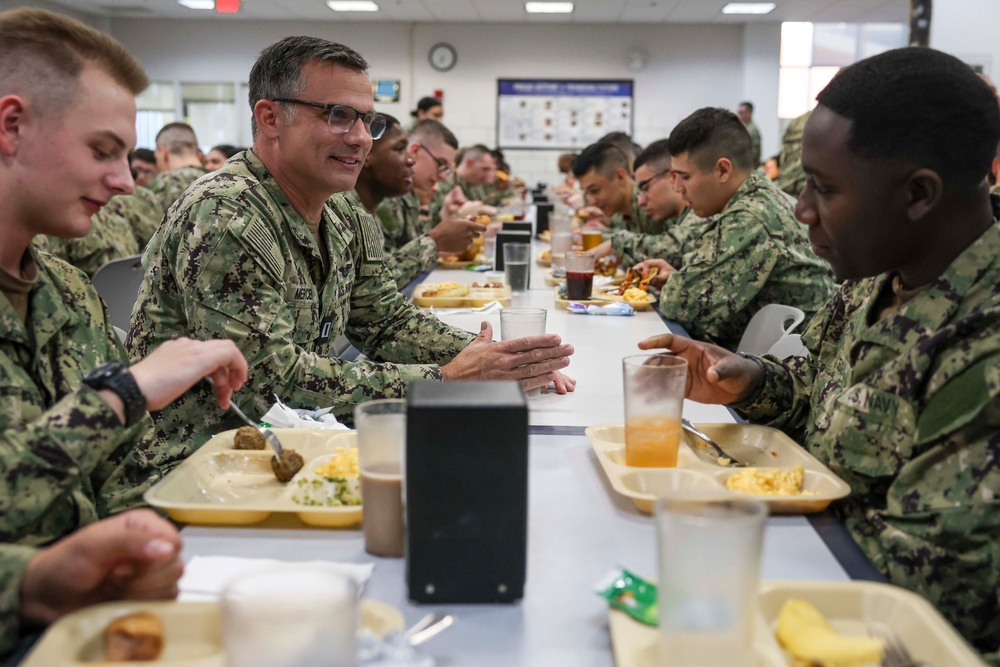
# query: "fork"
266,432
895,653
691,428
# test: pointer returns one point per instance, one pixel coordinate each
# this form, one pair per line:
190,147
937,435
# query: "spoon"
427,627
691,428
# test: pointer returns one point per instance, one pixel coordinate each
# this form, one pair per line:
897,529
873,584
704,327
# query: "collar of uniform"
755,181
47,296
932,309
297,225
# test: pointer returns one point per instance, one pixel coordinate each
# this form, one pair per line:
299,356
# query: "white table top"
579,528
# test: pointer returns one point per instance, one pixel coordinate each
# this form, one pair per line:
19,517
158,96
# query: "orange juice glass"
654,398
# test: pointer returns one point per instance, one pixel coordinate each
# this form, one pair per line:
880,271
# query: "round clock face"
442,57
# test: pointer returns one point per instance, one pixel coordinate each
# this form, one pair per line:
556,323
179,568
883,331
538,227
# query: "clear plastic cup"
381,429
654,398
517,265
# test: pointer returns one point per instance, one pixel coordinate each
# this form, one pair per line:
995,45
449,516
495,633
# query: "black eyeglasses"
444,167
643,185
341,118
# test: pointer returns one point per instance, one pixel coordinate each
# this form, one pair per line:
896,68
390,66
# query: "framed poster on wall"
566,114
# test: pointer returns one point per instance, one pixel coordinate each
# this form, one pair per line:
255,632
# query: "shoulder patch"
259,238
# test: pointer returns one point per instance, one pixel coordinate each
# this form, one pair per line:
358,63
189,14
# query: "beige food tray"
192,633
221,485
477,297
851,607
696,476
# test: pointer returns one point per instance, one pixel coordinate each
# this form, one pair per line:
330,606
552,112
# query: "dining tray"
192,633
221,485
697,475
477,297
851,607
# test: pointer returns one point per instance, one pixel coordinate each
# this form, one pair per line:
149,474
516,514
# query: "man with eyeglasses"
389,172
748,251
662,205
263,253
605,175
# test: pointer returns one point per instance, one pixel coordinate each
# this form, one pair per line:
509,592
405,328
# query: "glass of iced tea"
579,276
654,398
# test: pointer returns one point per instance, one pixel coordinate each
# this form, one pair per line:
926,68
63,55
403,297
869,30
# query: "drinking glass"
522,322
381,429
516,265
709,564
654,398
579,276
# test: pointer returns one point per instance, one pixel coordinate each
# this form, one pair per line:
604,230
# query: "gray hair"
278,71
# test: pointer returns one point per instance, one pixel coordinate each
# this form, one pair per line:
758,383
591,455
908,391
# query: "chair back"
789,346
118,284
767,326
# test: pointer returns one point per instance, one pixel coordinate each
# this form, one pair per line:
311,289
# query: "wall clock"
442,56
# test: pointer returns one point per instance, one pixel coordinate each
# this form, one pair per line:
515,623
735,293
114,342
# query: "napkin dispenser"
466,492
503,237
517,226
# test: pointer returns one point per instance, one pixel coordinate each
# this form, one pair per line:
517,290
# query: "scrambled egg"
345,464
774,482
635,295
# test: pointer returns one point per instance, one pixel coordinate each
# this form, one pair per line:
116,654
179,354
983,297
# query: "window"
812,53
155,107
210,108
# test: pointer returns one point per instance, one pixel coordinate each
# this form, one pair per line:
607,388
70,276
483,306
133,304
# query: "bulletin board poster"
561,114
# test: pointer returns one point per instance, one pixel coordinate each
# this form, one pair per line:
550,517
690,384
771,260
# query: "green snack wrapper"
632,594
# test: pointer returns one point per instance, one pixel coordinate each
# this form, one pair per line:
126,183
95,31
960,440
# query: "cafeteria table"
579,528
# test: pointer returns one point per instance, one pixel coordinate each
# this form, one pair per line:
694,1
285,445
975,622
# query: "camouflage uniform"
67,460
486,193
110,237
14,560
754,133
405,262
169,185
750,254
142,210
637,221
404,221
671,245
234,260
792,178
907,411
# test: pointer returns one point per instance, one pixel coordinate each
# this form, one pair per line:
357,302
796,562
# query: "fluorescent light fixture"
749,8
352,5
197,4
548,7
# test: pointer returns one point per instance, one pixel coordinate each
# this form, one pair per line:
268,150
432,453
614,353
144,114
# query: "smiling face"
855,208
389,167
316,159
92,139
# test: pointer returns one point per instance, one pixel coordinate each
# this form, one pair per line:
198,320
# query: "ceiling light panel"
548,7
197,4
748,8
352,5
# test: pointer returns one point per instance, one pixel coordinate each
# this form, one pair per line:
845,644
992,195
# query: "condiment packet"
282,416
615,308
632,594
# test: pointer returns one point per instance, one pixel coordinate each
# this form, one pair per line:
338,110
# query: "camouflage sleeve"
14,560
408,262
634,248
719,279
47,459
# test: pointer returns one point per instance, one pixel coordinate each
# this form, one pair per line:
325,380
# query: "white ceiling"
512,11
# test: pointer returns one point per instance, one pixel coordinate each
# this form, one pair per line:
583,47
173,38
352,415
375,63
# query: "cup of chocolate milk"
381,429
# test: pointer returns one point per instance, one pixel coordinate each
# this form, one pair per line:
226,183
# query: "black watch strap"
116,376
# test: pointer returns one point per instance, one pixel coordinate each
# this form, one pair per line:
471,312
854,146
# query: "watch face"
442,57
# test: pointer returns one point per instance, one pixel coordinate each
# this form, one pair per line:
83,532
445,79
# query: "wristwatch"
116,376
